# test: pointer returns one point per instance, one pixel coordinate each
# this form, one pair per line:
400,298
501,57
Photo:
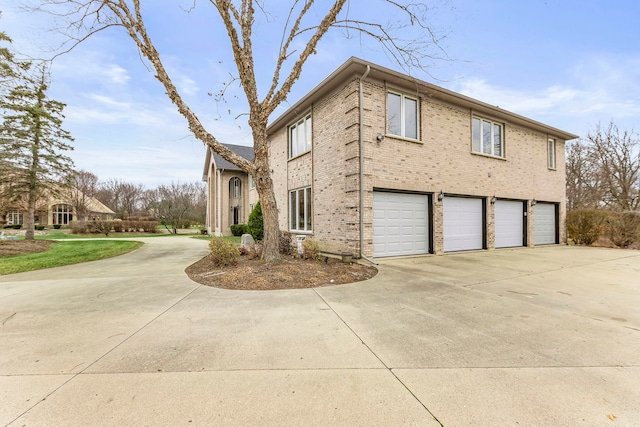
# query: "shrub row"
586,226
105,227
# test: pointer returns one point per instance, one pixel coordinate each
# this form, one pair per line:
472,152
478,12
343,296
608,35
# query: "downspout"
361,157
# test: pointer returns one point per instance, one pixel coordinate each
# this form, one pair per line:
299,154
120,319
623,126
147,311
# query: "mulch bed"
20,247
291,273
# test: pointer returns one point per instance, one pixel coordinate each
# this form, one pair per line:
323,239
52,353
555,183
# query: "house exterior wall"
220,205
442,160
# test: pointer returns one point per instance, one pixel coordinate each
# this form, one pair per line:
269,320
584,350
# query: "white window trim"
308,202
551,154
308,123
502,137
403,131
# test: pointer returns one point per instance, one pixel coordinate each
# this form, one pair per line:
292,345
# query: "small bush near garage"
310,248
57,226
239,229
39,227
623,228
585,226
223,252
16,226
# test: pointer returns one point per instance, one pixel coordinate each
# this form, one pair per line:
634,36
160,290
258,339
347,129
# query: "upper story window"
402,115
300,137
551,153
235,187
252,182
488,137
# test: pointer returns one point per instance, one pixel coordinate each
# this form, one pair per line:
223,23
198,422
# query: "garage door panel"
509,223
400,224
463,224
545,224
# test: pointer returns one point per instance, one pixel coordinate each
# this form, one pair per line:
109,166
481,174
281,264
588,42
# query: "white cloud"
597,89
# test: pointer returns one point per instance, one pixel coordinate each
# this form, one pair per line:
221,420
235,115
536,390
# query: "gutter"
361,157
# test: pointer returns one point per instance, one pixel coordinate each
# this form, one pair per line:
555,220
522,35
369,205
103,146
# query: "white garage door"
509,223
400,224
544,229
463,224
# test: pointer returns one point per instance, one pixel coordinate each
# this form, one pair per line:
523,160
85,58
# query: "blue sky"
570,64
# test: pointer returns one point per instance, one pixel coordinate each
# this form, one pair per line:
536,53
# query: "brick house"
378,163
56,209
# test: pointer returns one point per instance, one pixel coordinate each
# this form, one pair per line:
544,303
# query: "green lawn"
66,253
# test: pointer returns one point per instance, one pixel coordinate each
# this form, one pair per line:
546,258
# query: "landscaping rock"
246,241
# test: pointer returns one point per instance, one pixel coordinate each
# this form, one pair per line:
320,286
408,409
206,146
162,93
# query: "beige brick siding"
219,204
441,161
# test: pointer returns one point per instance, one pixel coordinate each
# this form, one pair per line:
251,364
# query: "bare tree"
584,186
305,25
177,203
130,198
84,186
124,198
618,158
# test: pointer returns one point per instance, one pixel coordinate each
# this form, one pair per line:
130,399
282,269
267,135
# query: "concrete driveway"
526,337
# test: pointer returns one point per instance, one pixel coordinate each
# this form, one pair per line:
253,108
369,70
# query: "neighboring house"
231,193
58,209
377,163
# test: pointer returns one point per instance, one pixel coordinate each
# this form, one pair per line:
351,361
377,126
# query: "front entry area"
400,224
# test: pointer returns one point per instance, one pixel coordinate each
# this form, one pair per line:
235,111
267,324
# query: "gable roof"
243,151
356,67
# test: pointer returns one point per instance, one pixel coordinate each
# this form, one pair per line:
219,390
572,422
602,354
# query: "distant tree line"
174,205
603,187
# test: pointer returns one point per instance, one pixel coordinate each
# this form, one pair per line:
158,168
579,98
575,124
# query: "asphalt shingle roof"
241,150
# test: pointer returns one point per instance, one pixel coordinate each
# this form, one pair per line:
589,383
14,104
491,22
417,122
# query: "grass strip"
66,253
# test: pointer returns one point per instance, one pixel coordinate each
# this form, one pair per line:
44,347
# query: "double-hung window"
551,153
300,209
402,115
488,137
300,137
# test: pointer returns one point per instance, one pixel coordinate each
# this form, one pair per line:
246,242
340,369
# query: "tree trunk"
31,213
264,186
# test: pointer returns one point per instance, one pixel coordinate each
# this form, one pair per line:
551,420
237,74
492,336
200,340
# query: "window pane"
497,140
292,210
477,146
308,207
307,127
393,114
300,210
486,137
552,154
411,118
293,149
